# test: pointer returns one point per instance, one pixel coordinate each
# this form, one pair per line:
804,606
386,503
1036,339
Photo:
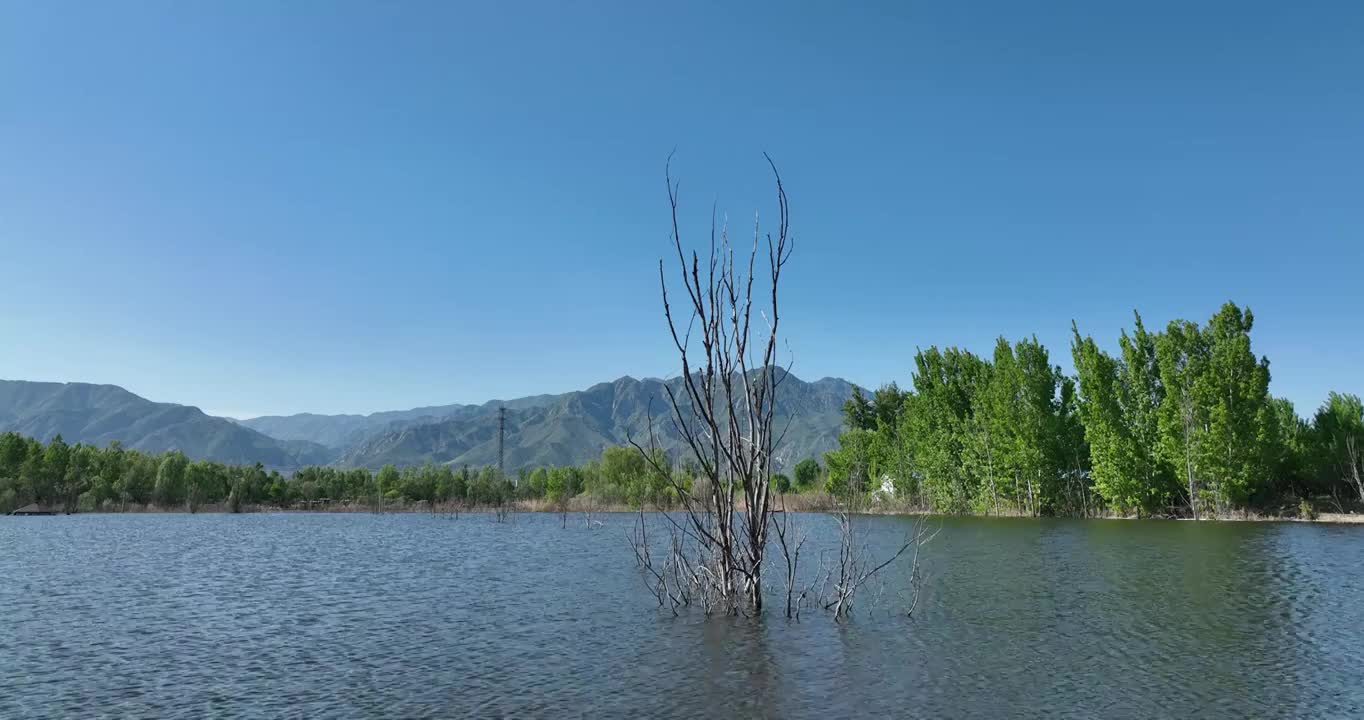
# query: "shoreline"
809,505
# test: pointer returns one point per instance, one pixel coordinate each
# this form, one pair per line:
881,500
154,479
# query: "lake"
415,615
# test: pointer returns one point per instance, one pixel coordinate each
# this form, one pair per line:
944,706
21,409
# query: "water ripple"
415,616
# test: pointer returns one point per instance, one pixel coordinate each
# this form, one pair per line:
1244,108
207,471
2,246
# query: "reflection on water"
421,616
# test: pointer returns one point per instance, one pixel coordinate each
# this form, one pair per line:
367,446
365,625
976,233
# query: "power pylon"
501,440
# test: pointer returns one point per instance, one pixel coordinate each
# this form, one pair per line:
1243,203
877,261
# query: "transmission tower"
501,440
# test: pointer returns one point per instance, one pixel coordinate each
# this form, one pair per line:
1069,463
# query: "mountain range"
100,414
569,428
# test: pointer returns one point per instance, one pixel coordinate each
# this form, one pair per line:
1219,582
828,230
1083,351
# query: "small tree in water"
724,409
724,412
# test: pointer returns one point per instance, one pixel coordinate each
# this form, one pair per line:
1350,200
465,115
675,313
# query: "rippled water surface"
301,615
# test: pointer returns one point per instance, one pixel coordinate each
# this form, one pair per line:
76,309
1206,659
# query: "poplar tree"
945,383
1143,394
1182,353
1115,451
1235,392
1339,433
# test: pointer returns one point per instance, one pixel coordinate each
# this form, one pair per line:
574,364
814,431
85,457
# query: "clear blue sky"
273,207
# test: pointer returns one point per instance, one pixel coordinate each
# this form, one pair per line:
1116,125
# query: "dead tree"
852,571
791,540
1352,457
676,581
725,408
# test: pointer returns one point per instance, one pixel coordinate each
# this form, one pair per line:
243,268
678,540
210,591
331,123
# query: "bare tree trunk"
790,551
1032,499
1018,491
1352,454
1186,411
990,468
725,409
853,571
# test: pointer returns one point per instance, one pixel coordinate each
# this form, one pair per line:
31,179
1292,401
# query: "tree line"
72,477
1178,422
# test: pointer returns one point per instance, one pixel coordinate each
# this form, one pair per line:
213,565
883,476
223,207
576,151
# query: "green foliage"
858,413
781,484
624,475
1116,410
387,479
1234,393
1177,420
952,447
1019,409
852,465
1338,441
807,473
170,480
561,484
1291,459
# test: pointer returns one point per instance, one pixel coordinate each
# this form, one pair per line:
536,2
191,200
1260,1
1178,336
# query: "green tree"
459,484
852,465
169,490
445,484
1116,455
1235,390
203,483
1339,430
536,483
1143,396
138,480
1074,451
82,466
941,423
387,483
50,478
1182,353
489,487
112,462
858,412
887,403
168,481
13,453
807,473
781,483
557,490
624,475
1292,473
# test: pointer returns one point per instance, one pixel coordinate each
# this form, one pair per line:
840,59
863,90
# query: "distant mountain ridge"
100,414
563,429
575,427
343,431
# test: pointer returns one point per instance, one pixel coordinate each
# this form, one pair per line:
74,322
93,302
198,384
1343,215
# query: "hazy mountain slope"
344,431
334,431
544,429
99,414
575,427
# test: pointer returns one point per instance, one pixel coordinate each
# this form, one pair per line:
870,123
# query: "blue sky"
269,207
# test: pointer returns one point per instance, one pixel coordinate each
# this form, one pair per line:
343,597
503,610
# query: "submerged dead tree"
853,572
724,326
724,412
